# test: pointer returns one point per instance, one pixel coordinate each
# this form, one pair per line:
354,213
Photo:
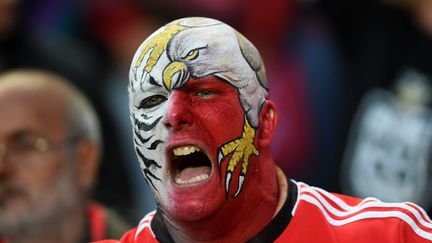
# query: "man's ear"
88,155
268,120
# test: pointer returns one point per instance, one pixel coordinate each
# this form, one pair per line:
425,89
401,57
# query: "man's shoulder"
143,231
337,211
337,206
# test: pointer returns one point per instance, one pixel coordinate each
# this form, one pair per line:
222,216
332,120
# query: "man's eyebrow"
193,86
149,83
23,132
152,81
151,86
200,84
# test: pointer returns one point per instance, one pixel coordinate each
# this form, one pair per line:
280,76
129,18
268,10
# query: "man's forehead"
33,87
30,95
22,100
27,109
24,120
160,49
198,48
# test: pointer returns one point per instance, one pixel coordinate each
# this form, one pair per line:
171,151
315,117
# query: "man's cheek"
226,124
149,147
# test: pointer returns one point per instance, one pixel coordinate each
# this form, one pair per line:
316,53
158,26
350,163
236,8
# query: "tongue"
190,172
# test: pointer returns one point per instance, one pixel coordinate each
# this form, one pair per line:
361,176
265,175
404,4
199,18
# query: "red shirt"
311,214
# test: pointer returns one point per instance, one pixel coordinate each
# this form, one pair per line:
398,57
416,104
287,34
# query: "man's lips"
189,165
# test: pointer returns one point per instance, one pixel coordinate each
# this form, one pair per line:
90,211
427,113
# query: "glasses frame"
41,145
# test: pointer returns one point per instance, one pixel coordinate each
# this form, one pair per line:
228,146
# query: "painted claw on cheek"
220,157
227,183
240,184
240,149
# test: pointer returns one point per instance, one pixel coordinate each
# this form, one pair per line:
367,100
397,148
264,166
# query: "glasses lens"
22,146
41,145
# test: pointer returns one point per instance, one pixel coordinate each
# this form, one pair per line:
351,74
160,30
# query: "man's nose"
179,114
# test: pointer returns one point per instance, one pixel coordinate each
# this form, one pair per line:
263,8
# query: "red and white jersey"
320,216
311,214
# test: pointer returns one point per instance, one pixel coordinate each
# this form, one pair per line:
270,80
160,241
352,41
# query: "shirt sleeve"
415,227
129,237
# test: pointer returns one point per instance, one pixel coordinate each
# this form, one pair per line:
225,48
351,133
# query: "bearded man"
203,125
50,148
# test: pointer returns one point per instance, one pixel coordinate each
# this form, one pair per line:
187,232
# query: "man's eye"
205,93
152,101
22,143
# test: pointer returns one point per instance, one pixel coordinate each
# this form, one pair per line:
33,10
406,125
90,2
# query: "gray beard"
45,212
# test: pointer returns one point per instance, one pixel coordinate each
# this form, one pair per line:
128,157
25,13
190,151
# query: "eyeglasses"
25,148
39,145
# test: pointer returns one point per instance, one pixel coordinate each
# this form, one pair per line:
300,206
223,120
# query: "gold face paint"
240,149
157,45
171,70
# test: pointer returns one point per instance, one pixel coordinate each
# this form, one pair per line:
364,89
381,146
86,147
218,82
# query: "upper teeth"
185,150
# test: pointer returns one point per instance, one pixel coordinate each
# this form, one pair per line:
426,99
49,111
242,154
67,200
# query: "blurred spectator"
50,148
52,35
388,46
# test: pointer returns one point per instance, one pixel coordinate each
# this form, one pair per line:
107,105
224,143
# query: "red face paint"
205,113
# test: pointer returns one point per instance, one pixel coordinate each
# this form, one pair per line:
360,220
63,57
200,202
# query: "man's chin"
194,209
191,212
15,217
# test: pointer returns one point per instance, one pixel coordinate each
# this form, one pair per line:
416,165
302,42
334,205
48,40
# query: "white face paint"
188,48
149,132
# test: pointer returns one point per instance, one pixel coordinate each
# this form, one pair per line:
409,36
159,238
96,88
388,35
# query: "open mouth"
190,165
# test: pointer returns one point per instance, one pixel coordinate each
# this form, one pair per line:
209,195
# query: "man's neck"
283,189
251,218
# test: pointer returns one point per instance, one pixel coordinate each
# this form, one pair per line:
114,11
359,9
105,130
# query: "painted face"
196,88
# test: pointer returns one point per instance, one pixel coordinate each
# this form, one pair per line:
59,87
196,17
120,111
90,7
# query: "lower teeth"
192,180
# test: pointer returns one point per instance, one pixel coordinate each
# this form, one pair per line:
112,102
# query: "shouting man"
202,128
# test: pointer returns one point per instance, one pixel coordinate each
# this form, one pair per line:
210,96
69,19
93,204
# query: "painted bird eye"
152,101
192,55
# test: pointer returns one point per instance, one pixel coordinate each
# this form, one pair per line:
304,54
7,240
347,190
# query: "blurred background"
351,81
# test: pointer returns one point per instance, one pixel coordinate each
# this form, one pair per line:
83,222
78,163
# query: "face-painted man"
196,91
202,128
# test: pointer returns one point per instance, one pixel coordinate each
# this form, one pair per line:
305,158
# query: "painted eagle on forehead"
199,47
